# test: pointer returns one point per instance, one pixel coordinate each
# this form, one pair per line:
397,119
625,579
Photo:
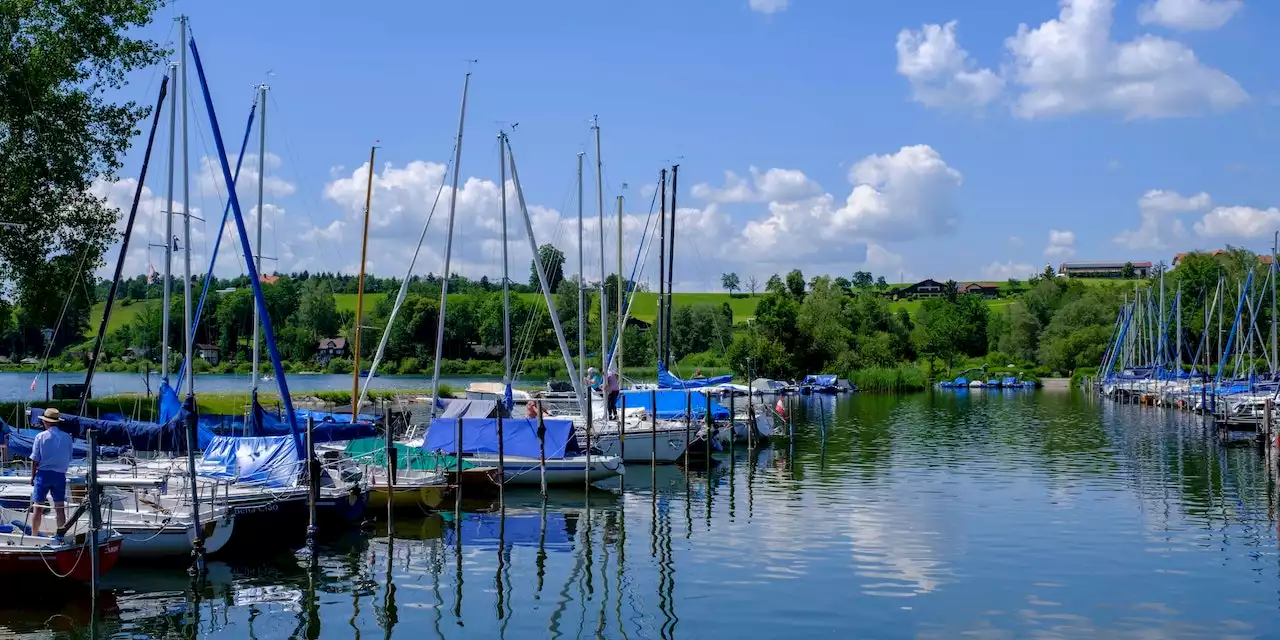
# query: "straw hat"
51,416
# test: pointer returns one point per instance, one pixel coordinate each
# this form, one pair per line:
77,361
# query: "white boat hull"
640,446
143,540
521,471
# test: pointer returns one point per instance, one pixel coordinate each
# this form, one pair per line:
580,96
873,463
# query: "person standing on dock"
50,457
592,381
612,389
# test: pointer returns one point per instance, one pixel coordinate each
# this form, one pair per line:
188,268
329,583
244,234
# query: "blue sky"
929,138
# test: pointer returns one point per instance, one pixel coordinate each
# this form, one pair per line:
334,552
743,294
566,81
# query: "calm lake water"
998,515
17,386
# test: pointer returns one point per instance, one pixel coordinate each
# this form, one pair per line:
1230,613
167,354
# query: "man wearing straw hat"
50,455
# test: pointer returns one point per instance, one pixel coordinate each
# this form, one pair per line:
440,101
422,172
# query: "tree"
552,260
317,310
1048,273
795,284
881,283
950,289
844,285
775,285
862,279
752,285
730,282
60,61
1128,271
1014,285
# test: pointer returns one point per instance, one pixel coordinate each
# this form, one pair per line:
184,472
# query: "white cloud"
1239,222
768,6
940,72
1062,244
896,196
1070,65
772,185
1189,15
1158,212
1006,270
1015,241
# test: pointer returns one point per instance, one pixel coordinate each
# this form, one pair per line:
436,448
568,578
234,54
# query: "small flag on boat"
33,382
782,410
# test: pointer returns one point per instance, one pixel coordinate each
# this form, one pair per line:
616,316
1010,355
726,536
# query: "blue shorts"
49,484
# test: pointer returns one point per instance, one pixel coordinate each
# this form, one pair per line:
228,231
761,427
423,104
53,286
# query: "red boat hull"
71,563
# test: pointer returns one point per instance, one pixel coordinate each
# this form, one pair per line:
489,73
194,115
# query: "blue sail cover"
170,405
20,442
823,380
269,461
668,381
672,405
168,436
270,425
488,530
520,437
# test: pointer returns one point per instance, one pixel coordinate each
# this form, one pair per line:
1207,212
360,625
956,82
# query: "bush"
200,365
408,366
339,365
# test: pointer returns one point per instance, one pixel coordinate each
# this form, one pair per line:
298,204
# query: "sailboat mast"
662,258
262,179
604,309
619,290
542,282
582,282
671,264
364,249
506,279
1275,364
168,235
186,218
448,255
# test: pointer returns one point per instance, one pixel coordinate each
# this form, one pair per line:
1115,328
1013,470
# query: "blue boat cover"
269,425
20,442
325,416
668,381
520,437
488,530
169,436
170,405
823,380
269,461
672,404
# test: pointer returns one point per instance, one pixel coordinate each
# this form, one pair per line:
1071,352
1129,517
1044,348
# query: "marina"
884,517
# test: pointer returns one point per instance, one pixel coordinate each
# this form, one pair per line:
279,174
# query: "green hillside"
121,315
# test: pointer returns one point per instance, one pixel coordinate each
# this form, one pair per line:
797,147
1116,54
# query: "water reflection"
989,514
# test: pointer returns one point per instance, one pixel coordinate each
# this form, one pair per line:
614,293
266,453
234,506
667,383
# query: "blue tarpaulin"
672,404
21,440
668,381
169,436
170,405
270,425
823,380
488,530
269,461
520,437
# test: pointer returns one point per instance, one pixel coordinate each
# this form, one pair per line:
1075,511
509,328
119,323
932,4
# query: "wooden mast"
364,248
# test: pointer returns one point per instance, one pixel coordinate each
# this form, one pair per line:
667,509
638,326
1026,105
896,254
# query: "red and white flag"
33,382
780,408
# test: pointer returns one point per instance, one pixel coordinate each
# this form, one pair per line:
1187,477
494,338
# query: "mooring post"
751,424
622,435
733,422
1266,420
542,451
653,433
390,455
313,486
502,462
586,474
457,480
688,425
95,516
711,430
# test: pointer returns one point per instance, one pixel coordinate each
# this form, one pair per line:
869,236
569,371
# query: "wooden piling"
733,417
313,486
622,435
390,458
95,515
711,427
542,452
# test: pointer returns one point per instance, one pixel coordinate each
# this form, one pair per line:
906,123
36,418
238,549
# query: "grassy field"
120,315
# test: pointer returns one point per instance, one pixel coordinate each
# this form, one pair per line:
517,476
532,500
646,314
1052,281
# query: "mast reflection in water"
1003,513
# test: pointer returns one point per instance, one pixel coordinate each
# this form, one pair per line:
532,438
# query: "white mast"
262,178
448,251
604,311
582,283
506,279
186,218
168,233
542,279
